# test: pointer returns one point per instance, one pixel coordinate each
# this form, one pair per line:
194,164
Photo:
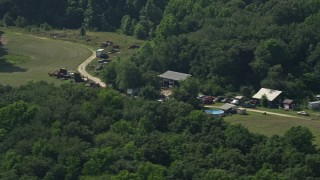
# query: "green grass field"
29,58
94,39
313,115
271,124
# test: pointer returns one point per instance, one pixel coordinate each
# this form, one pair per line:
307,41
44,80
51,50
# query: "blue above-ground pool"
215,112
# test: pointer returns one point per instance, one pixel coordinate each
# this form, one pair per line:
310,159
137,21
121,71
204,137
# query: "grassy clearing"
15,59
28,58
272,124
313,115
94,39
31,58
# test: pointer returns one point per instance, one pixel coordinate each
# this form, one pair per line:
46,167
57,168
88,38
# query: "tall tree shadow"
5,66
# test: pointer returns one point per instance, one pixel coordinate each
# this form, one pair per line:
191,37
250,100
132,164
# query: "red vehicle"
208,99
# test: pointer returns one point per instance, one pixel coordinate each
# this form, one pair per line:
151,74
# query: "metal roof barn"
270,93
176,76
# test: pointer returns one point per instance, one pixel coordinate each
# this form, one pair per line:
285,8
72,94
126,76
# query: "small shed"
314,105
288,104
242,111
171,79
99,52
240,98
228,108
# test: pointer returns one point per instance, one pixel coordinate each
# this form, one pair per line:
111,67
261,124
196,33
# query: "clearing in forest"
29,58
272,124
26,57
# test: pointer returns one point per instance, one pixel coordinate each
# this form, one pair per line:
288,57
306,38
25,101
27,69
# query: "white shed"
99,52
314,105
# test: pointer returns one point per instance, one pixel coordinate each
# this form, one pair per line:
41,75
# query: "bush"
264,101
21,21
140,31
45,27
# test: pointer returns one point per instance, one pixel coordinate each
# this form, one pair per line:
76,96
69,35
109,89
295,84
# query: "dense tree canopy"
93,14
73,132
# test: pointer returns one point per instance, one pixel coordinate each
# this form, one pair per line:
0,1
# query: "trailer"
99,52
314,105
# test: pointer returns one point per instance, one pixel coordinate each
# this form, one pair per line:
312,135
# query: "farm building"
272,95
288,104
99,52
228,108
242,111
171,79
314,105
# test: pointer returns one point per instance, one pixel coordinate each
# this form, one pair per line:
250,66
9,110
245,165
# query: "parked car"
113,50
207,100
235,102
200,96
248,104
225,100
254,101
103,61
103,56
217,99
303,113
99,67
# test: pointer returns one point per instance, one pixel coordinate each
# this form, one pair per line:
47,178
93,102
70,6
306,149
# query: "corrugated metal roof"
270,93
227,106
314,102
174,76
239,97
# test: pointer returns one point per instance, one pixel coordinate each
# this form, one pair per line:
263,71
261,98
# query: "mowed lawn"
94,39
28,58
272,124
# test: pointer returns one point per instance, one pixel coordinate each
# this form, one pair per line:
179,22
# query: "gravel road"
84,73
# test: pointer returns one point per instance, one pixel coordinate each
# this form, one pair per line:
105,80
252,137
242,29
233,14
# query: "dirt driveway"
83,72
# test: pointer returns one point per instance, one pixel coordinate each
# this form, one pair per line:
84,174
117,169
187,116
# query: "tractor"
61,73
